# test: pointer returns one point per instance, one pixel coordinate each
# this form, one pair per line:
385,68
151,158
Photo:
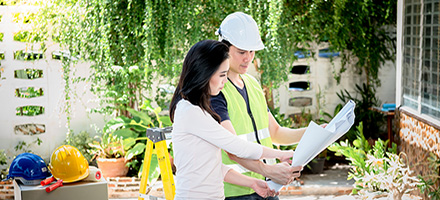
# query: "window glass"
421,78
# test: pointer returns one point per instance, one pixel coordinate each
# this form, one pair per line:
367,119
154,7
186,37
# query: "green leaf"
115,123
125,133
136,150
166,121
157,110
129,142
357,143
154,170
145,119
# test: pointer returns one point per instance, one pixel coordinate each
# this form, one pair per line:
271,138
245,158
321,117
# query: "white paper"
316,138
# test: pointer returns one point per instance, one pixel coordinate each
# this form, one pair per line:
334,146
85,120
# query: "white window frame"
399,65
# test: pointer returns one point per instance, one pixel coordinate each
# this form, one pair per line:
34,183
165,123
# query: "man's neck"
236,79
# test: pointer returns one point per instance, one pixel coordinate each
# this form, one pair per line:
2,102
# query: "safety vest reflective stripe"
262,134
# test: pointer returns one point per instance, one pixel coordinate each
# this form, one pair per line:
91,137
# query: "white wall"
54,117
321,77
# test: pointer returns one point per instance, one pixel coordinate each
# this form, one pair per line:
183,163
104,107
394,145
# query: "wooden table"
390,116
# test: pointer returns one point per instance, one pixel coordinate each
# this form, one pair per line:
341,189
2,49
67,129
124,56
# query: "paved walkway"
332,184
328,185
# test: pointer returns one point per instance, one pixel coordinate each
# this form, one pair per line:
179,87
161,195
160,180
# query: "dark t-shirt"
220,106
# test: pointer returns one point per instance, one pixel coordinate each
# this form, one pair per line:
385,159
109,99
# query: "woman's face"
219,78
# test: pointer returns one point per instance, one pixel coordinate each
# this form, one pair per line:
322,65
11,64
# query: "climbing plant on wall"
365,31
131,43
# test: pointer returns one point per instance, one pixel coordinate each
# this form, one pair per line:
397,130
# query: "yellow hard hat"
69,164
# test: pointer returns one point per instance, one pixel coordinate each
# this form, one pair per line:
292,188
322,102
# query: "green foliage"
107,146
1,35
133,42
375,168
430,183
3,161
281,118
109,34
360,30
28,74
373,121
29,92
29,110
81,142
127,136
27,55
24,147
24,18
21,36
3,157
9,2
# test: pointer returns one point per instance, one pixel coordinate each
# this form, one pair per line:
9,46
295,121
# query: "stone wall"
417,137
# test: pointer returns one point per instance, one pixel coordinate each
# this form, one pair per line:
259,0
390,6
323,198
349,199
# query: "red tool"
54,186
47,181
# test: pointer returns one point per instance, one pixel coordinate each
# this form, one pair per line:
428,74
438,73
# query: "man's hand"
286,155
282,173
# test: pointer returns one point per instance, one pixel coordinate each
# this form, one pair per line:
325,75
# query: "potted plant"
316,166
125,137
110,155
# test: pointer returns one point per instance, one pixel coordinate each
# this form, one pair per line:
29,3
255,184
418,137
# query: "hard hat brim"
249,48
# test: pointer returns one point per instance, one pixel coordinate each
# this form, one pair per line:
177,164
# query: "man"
243,109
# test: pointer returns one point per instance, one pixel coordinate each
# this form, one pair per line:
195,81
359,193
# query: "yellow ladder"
156,137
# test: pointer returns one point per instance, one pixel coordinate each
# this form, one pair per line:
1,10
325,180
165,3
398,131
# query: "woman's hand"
262,189
286,156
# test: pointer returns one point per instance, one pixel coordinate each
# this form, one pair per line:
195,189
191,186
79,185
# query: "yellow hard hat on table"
67,163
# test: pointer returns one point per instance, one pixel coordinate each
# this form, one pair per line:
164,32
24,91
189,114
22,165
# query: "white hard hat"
241,31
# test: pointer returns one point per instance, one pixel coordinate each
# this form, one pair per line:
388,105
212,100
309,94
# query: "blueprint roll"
316,138
309,147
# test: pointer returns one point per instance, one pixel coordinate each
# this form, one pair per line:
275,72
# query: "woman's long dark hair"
201,62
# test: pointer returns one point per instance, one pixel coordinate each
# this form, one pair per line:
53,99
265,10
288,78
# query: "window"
421,53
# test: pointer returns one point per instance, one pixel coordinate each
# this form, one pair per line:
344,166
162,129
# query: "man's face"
240,60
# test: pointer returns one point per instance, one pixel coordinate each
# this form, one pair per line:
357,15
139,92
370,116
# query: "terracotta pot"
112,167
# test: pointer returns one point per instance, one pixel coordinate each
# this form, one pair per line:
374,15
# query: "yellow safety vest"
244,126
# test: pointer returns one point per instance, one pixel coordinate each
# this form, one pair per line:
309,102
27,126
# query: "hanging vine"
131,43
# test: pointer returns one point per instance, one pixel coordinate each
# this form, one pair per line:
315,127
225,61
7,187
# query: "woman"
197,135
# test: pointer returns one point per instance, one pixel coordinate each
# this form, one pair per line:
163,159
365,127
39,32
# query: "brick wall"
417,137
6,190
123,187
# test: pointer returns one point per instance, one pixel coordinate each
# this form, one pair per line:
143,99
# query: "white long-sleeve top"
197,142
